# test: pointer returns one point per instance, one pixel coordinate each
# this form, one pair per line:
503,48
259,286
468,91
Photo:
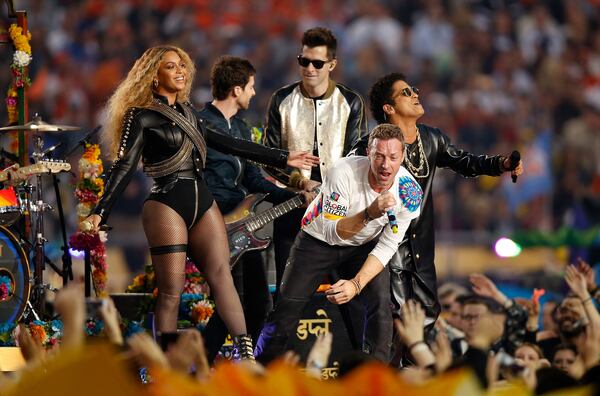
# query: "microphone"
392,220
515,157
51,149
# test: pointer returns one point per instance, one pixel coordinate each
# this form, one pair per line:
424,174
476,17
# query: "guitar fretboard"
258,221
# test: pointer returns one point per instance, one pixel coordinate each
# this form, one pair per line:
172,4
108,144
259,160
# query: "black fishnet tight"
208,248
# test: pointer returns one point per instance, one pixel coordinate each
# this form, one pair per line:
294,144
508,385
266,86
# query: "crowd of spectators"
501,341
494,75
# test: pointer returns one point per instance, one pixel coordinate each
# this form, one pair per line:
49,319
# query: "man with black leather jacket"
315,114
230,178
394,101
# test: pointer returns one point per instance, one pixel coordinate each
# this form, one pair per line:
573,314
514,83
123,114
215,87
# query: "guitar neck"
258,221
20,172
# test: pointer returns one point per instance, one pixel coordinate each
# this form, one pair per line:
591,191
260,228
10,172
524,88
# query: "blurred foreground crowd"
484,341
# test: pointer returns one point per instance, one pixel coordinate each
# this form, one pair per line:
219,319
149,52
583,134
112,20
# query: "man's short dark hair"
492,305
381,94
229,72
386,132
318,36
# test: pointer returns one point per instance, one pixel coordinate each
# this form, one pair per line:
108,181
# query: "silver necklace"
423,163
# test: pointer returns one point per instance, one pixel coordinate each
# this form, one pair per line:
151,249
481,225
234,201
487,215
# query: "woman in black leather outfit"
149,116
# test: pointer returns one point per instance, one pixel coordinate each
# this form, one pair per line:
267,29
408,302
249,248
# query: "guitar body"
241,239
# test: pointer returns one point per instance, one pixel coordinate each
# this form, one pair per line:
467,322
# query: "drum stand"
39,207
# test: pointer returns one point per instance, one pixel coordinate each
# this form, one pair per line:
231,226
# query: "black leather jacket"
416,252
229,177
153,137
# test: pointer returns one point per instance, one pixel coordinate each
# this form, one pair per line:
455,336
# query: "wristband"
366,218
586,300
356,284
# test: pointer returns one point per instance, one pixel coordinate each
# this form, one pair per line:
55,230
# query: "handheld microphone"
393,222
515,157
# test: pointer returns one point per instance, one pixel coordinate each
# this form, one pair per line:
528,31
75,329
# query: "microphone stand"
67,268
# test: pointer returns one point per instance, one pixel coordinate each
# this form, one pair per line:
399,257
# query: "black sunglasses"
304,62
408,91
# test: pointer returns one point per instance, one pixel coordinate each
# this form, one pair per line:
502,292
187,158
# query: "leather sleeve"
128,157
465,163
356,127
272,137
255,182
360,146
244,148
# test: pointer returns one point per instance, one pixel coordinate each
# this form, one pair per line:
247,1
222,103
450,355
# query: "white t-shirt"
346,192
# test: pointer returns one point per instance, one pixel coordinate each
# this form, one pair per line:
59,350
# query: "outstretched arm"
471,165
257,152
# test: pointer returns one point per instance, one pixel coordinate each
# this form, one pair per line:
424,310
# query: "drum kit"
22,209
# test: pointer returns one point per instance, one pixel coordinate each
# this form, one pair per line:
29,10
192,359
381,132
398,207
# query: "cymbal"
38,125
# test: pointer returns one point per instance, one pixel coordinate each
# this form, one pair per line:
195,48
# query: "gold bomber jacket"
337,120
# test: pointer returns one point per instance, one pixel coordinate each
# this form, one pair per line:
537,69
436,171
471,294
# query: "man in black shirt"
229,179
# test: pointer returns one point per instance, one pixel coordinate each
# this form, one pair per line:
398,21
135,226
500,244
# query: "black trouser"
250,280
310,260
285,229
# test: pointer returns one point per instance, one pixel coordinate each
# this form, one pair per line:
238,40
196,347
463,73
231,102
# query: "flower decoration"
195,308
93,327
143,283
201,312
6,287
257,133
88,191
21,59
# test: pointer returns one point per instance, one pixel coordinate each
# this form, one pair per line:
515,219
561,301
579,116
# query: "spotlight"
505,247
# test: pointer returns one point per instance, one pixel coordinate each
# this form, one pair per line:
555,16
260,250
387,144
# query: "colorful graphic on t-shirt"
316,209
410,193
333,209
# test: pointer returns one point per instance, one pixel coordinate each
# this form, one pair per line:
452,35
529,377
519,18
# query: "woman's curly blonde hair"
136,90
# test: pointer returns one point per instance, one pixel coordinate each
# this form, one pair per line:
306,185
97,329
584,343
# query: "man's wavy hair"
227,73
318,36
381,94
136,90
386,132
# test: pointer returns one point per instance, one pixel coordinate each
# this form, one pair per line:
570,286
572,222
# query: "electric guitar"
40,167
242,222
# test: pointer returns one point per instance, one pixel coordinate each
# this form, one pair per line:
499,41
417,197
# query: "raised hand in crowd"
533,312
577,282
442,351
411,332
146,351
111,318
291,358
33,352
483,286
69,304
588,273
588,346
183,353
318,357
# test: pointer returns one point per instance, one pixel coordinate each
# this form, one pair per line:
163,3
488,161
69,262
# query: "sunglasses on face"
304,62
408,92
